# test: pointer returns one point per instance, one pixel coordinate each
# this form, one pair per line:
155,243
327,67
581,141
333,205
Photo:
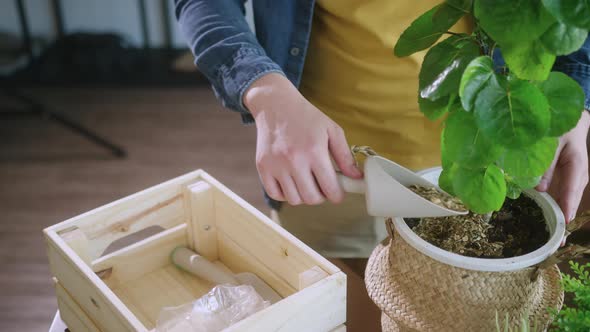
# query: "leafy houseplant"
501,120
570,319
576,318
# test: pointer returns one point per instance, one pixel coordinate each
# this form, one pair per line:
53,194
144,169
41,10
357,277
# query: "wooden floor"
48,174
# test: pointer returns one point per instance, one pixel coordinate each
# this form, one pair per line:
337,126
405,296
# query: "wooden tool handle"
198,265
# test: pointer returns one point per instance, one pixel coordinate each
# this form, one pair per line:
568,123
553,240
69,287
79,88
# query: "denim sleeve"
577,66
225,49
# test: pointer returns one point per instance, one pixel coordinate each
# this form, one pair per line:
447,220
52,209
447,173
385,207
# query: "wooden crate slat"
141,257
273,249
78,320
318,308
93,296
161,205
202,219
239,260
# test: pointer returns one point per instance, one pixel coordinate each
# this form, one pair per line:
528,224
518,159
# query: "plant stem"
492,50
453,33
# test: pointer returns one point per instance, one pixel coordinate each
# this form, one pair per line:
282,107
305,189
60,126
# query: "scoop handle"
198,265
350,185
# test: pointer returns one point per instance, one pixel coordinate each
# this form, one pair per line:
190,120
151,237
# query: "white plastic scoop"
385,188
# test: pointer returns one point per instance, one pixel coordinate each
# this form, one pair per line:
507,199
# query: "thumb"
572,188
341,153
548,176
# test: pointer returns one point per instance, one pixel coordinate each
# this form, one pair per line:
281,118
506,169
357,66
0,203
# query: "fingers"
290,190
327,180
272,187
570,193
307,186
548,176
341,153
573,173
289,176
302,189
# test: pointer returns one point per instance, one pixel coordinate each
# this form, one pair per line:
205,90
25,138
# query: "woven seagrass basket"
419,287
418,293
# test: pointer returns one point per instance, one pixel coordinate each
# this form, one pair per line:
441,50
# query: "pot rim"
550,210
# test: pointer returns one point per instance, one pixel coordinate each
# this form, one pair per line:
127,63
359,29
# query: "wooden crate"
107,282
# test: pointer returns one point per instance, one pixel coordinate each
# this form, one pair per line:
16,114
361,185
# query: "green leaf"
566,102
513,113
512,190
482,190
427,29
464,5
443,66
571,12
433,110
563,39
446,162
445,180
526,182
465,145
531,161
515,186
531,61
475,77
512,21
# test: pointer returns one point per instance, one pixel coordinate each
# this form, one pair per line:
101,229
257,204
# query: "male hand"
295,141
568,175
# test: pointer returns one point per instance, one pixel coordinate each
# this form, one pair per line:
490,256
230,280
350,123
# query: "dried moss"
439,198
517,229
466,235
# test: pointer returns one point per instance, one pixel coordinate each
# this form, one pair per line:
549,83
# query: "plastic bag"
223,306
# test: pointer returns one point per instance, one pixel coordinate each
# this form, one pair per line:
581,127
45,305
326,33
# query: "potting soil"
517,229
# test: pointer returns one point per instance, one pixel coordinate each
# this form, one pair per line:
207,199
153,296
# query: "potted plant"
501,116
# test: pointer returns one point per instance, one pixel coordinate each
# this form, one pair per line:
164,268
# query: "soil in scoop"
517,229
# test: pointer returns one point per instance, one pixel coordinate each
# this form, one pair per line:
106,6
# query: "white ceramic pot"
555,225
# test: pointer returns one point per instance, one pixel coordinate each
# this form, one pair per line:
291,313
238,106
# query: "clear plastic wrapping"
222,307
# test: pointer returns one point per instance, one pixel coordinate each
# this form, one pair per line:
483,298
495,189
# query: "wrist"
266,89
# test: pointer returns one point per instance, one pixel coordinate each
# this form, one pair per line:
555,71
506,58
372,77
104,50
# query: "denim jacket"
231,56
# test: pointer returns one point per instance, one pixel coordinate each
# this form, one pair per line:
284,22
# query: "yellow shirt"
352,75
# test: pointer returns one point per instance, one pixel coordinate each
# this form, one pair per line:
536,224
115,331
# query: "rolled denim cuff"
248,65
579,72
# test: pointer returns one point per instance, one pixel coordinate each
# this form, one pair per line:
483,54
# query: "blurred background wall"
121,16
33,32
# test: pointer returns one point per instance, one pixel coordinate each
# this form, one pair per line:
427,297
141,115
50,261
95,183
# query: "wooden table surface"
362,314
